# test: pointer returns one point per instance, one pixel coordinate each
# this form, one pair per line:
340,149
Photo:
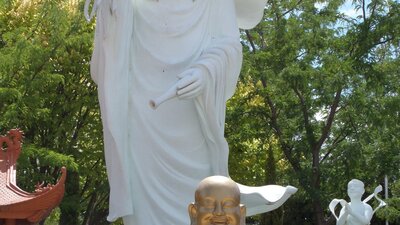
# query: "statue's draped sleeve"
109,69
222,60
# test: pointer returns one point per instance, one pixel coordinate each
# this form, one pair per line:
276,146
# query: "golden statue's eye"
229,204
208,203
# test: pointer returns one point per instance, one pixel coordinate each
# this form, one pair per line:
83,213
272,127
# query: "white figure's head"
217,202
355,189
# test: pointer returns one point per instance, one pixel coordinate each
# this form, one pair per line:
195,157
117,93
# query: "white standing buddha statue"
156,158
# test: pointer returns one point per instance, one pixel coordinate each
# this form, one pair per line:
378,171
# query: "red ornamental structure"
19,207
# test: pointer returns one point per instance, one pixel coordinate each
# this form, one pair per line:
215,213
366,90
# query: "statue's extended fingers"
190,94
185,81
189,88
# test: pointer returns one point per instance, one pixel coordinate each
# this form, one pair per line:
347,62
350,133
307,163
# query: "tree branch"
329,122
337,140
251,41
290,10
307,125
287,150
363,10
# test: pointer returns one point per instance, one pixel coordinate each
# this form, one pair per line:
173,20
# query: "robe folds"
156,158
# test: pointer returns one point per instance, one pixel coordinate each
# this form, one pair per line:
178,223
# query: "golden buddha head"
217,202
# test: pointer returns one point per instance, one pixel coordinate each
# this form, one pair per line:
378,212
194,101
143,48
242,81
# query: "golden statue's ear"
242,214
192,213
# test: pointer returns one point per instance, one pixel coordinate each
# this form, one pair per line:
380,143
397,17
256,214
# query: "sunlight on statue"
217,201
357,212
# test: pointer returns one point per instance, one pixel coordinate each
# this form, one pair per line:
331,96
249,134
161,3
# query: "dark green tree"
324,86
46,90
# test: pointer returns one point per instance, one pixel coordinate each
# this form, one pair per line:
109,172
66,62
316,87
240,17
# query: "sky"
347,8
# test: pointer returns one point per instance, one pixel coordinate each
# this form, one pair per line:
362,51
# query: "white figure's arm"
343,215
191,84
222,56
375,194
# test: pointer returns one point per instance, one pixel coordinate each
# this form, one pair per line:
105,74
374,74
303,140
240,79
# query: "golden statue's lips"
219,223
217,220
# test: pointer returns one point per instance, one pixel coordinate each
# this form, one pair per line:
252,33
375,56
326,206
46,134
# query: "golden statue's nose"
218,210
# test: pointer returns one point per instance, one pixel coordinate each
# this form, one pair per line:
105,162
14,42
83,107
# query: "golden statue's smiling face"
217,203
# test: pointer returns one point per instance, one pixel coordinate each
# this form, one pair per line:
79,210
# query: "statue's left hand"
191,83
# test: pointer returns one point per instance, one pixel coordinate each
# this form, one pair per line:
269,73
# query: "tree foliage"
392,211
324,86
317,104
46,91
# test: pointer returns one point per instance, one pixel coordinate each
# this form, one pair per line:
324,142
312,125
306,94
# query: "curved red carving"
15,203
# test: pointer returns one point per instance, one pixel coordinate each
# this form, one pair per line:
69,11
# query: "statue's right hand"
191,83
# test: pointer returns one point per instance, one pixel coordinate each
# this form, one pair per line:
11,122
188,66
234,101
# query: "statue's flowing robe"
156,158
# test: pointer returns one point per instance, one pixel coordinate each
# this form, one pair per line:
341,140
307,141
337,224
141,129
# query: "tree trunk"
89,209
70,206
274,217
318,213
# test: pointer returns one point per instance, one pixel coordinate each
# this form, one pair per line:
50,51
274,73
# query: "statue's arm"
223,55
369,212
343,216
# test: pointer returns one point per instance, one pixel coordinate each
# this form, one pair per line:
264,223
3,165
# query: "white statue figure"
156,158
356,212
